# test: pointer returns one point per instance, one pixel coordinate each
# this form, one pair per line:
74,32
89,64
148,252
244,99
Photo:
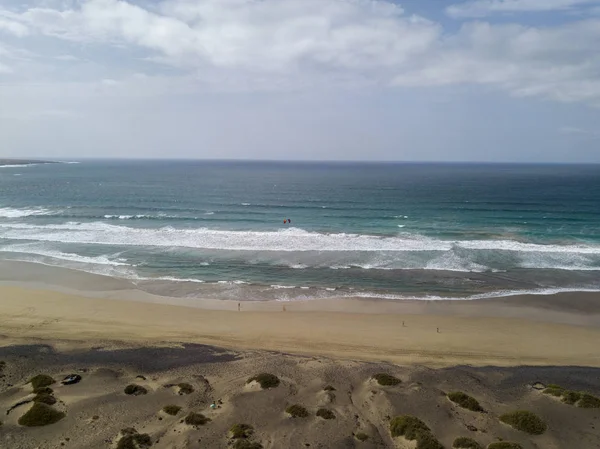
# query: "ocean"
213,229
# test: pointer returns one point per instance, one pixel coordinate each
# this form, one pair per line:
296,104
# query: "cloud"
561,63
12,27
279,45
483,8
576,131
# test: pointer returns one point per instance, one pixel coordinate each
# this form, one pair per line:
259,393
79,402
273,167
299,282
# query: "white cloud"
482,8
561,63
12,27
249,45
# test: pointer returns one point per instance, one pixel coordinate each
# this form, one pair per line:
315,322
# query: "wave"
283,240
71,257
9,212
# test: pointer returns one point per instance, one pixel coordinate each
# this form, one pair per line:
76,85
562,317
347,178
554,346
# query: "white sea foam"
284,240
71,257
9,212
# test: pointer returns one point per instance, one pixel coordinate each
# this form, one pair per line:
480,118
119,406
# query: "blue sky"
477,80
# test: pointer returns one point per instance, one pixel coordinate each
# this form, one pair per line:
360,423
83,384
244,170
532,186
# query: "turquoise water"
375,230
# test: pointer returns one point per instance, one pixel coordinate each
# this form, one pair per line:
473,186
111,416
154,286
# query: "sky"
414,80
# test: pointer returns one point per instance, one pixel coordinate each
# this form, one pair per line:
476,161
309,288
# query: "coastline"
558,330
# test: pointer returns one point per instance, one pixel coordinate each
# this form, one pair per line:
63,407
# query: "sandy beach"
493,349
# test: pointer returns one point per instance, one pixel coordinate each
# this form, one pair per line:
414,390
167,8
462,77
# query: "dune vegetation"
525,421
266,380
386,379
297,411
465,401
40,414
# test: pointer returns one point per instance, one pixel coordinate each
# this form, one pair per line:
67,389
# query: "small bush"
325,413
466,443
40,415
428,441
45,398
505,445
386,379
135,441
571,397
556,387
41,380
360,436
196,419
245,444
552,391
329,388
525,422
135,390
297,411
241,431
409,427
588,401
265,380
465,401
171,409
185,388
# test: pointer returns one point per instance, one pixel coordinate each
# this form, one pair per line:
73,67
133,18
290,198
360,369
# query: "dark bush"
325,413
185,388
40,415
265,380
196,419
171,409
505,445
360,436
241,431
386,379
465,401
41,390
329,388
135,390
134,441
525,422
571,397
45,398
466,443
588,401
41,380
554,391
297,411
408,427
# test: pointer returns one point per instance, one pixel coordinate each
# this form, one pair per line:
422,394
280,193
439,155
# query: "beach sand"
491,349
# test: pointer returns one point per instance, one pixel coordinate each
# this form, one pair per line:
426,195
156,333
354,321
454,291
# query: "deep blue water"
394,230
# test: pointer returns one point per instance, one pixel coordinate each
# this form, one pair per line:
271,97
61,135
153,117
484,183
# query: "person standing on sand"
239,306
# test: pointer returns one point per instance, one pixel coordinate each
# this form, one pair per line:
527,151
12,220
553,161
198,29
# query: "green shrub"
428,441
265,380
325,413
360,436
571,397
386,379
505,445
554,391
185,388
241,431
466,443
171,409
465,401
135,390
407,426
525,422
556,387
196,419
41,380
40,415
329,388
45,398
245,444
134,441
588,401
297,411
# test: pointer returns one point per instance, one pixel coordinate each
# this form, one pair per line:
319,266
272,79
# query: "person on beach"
239,306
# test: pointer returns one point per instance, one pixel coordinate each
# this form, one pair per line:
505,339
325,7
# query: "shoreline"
435,334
